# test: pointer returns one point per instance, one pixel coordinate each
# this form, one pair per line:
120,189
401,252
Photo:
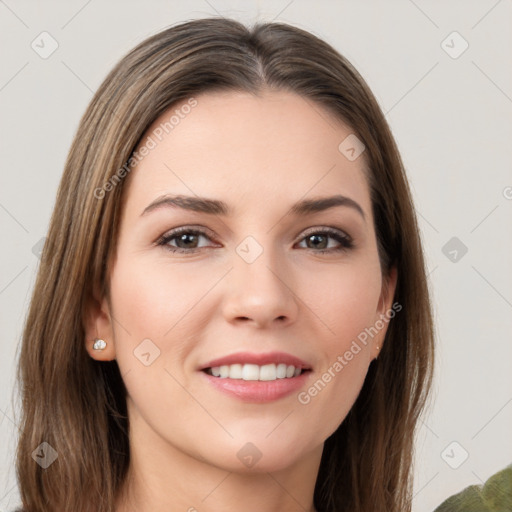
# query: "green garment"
494,496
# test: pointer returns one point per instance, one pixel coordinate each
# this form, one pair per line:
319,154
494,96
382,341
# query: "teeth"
255,372
235,371
251,372
281,371
268,372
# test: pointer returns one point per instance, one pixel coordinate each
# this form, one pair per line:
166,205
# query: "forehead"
248,150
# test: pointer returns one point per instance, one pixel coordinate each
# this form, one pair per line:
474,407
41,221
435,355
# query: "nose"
261,293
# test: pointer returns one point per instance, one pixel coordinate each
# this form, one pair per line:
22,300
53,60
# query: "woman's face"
234,271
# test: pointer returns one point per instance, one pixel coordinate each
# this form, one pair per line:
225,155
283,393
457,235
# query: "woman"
231,308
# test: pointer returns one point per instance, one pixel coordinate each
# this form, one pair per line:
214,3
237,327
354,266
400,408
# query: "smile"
257,377
267,372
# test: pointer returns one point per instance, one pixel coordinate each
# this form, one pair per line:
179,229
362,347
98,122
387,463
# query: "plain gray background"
449,109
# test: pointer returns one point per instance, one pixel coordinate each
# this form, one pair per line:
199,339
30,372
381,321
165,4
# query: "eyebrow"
216,207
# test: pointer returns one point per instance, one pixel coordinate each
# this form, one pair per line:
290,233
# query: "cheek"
169,304
346,301
158,302
328,398
347,304
155,300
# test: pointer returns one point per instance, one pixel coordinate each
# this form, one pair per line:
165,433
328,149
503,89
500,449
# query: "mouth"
257,378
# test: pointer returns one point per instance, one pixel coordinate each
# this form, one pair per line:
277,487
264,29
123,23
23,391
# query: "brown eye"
318,241
187,240
183,240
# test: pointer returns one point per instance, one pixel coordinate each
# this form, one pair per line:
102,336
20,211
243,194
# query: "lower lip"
256,390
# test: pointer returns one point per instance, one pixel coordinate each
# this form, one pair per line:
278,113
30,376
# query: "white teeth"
266,372
235,371
281,371
250,372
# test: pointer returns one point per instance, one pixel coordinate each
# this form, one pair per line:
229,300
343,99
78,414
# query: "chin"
261,455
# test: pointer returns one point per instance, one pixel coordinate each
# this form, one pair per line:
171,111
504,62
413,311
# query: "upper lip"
259,359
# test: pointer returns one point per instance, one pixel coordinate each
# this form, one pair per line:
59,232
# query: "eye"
186,240
320,240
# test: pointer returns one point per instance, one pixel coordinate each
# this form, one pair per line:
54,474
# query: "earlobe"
99,339
100,349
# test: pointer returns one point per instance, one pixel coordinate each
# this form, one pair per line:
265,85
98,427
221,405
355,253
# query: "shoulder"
494,496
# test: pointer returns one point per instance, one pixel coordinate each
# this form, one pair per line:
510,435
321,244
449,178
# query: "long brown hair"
77,405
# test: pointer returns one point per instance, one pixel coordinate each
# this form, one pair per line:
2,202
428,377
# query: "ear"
385,311
97,322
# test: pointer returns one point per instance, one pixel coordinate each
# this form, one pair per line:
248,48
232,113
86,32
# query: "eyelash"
345,241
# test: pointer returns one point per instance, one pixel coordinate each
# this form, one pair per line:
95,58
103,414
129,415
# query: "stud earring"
99,344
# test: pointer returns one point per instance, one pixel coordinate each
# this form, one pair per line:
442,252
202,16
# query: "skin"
259,154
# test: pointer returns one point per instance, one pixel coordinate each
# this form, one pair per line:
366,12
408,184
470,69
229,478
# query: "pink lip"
259,359
258,391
